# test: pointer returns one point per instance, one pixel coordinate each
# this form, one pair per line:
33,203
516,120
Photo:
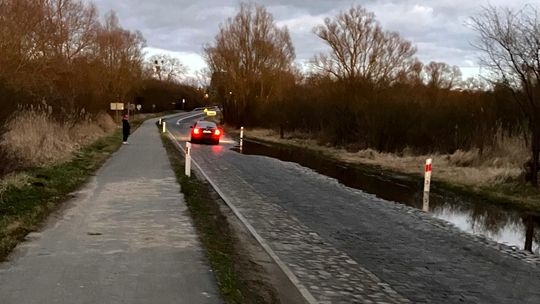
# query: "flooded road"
503,225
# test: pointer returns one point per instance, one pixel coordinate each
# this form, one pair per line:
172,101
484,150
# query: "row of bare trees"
371,91
59,52
61,58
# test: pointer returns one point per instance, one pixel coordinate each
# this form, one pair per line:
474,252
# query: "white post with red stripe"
427,184
188,159
241,138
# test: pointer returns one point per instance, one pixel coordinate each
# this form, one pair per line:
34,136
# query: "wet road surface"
421,258
501,223
126,238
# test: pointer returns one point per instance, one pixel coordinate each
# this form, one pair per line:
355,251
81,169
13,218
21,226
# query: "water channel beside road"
473,215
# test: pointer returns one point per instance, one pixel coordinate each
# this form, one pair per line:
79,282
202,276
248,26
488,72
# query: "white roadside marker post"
164,125
241,138
427,183
160,121
188,159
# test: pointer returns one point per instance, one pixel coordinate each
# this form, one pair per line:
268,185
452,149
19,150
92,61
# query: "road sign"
117,106
211,113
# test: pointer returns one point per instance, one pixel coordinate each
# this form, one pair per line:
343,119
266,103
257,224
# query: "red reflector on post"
428,167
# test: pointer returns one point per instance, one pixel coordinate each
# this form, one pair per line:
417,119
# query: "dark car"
205,131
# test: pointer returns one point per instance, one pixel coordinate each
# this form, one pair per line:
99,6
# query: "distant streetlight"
183,103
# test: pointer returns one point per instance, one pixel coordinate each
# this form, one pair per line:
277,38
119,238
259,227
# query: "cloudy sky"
437,27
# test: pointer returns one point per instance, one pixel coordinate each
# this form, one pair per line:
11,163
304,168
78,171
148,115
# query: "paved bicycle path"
125,238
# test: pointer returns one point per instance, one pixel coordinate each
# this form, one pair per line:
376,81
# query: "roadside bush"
34,137
464,158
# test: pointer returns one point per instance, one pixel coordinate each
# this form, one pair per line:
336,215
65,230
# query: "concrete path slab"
125,238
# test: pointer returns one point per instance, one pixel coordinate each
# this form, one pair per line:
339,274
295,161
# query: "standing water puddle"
503,225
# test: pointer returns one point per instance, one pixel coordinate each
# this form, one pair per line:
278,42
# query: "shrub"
34,137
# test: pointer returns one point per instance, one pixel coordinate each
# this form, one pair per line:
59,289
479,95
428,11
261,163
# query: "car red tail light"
217,132
196,131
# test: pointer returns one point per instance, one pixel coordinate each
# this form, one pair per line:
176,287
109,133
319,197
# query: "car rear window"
206,124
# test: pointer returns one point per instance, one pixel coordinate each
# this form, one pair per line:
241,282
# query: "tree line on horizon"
63,63
371,91
62,54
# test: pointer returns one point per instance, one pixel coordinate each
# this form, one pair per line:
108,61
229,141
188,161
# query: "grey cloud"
437,27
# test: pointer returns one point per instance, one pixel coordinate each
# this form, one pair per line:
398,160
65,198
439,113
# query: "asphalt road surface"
395,254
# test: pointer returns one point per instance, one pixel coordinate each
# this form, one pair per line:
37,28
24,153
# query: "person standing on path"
126,128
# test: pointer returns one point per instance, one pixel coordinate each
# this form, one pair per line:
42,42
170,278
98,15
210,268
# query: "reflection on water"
503,225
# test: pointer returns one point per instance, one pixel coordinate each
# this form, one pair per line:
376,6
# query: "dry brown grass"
34,138
105,122
495,166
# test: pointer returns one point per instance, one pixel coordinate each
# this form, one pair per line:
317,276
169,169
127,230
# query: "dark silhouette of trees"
58,52
510,43
251,58
368,91
440,75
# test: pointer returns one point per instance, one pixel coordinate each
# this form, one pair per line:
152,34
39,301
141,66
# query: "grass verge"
25,204
233,269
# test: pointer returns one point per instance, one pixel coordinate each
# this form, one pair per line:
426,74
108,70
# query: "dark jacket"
126,128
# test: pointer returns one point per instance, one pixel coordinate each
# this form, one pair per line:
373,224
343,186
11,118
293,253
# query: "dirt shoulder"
495,178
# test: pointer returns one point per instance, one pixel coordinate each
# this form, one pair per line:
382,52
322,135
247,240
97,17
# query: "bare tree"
120,51
474,84
71,28
441,75
166,67
252,53
21,35
361,50
202,77
510,43
40,40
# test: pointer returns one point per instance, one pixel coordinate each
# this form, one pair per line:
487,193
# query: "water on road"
503,225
